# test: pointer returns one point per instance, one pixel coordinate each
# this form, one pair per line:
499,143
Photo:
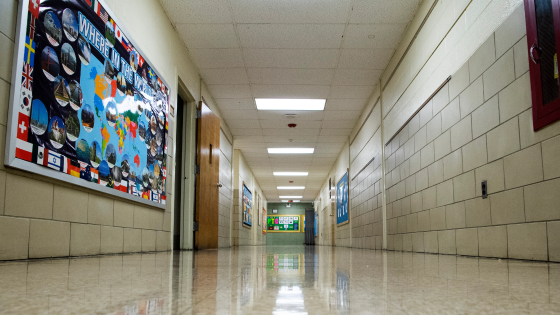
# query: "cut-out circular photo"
95,154
134,60
125,165
82,151
111,114
52,28
57,132
68,58
117,176
72,124
104,173
148,139
49,63
109,71
161,119
145,177
111,155
142,130
88,119
110,33
61,91
159,138
39,118
76,96
151,174
121,84
153,124
85,50
70,25
153,147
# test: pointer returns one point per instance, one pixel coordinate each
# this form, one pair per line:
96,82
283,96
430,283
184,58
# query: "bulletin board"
342,201
247,202
283,223
90,110
264,219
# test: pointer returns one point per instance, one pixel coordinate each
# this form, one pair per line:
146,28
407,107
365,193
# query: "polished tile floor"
279,280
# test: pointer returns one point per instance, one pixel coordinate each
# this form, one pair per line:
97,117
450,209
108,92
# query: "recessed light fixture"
290,104
291,150
290,173
290,197
291,187
291,201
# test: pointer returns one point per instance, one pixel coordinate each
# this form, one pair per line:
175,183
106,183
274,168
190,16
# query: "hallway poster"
90,105
247,205
342,200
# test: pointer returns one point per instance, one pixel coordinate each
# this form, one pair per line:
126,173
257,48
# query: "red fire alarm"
291,182
292,125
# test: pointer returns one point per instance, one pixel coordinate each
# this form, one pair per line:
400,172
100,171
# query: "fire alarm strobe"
292,125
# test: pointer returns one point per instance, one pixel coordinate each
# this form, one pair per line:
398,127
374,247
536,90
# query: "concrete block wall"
479,127
226,192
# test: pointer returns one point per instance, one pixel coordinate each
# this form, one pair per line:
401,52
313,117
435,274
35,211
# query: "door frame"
189,160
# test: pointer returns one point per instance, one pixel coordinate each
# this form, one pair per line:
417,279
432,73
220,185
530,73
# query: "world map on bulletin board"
90,105
283,223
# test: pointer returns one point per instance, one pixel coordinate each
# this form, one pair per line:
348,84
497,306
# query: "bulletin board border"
286,215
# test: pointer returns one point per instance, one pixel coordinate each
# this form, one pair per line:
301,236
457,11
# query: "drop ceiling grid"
247,49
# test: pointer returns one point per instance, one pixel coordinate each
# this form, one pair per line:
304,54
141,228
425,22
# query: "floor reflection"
279,280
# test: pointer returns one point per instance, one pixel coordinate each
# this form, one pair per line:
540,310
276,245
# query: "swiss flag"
34,7
23,126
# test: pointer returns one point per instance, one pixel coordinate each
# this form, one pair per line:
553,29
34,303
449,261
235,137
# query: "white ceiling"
333,49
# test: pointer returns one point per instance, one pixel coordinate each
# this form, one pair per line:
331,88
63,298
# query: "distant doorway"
180,123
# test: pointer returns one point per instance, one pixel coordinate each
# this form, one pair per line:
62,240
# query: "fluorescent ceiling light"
291,150
289,201
290,197
295,201
291,173
290,104
291,187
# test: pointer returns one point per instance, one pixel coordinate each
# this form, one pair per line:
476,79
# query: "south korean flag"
25,102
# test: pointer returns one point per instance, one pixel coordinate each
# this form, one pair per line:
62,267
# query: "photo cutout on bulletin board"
87,102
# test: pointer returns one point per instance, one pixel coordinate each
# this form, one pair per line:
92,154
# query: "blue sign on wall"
342,200
315,223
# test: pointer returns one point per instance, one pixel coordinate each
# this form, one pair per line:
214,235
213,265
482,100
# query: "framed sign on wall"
264,220
284,223
342,201
247,201
90,110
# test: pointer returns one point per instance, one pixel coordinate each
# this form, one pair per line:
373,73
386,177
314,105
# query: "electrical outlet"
484,189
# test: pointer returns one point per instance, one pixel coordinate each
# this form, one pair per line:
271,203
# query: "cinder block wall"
478,127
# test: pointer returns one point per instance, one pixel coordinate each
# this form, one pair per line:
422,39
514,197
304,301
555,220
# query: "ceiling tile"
246,132
230,91
225,76
336,132
338,124
291,132
235,103
386,35
207,11
340,91
294,139
338,139
293,12
345,104
290,35
394,11
208,35
290,91
240,114
283,123
243,124
365,58
291,76
217,58
291,58
342,115
356,77
281,115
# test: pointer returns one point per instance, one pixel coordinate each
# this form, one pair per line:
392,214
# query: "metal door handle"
531,53
220,185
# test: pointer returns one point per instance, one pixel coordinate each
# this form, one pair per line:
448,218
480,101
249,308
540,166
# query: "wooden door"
207,181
